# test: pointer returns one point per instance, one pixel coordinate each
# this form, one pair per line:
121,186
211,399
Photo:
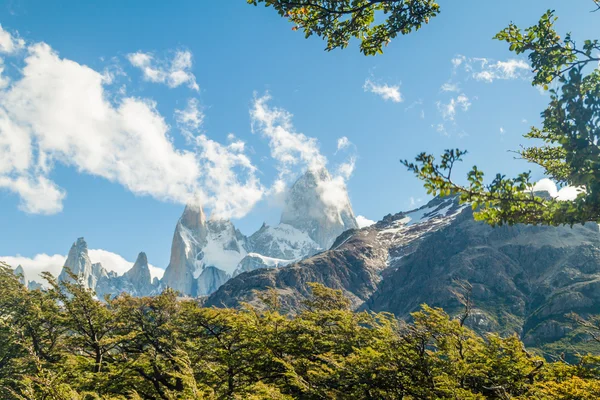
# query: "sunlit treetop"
374,22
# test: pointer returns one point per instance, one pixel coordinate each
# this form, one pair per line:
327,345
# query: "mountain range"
518,279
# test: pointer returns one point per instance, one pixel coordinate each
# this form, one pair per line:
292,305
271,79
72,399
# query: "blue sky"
237,54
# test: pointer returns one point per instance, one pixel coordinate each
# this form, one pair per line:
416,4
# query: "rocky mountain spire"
78,261
139,275
188,239
19,271
319,206
199,244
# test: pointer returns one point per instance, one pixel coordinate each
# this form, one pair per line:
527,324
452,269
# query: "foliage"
570,132
63,343
374,23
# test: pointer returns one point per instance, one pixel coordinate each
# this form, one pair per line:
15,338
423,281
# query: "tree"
570,133
93,324
374,22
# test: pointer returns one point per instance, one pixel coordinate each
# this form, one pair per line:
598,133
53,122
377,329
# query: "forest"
64,343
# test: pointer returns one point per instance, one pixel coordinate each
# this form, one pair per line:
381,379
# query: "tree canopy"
569,135
374,22
64,344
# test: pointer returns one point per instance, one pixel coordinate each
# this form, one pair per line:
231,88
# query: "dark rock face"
524,278
356,273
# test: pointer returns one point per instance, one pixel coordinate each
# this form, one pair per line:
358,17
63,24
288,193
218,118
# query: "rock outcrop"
79,263
137,281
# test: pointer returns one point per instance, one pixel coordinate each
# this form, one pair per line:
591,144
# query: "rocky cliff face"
79,263
524,278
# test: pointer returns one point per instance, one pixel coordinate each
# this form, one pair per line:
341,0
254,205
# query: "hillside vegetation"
63,343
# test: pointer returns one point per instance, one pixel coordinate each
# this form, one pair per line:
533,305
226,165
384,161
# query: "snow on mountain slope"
255,261
225,246
283,241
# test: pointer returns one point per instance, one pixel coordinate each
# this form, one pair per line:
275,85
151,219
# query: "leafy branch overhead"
570,132
374,22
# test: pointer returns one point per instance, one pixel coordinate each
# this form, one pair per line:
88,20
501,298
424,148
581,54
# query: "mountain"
310,207
31,285
256,261
137,281
199,244
354,263
206,253
283,242
524,278
79,263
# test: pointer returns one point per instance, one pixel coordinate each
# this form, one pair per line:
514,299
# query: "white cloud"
487,70
8,43
346,169
174,72
448,110
59,111
34,266
229,175
343,143
38,194
364,221
565,193
190,118
450,87
288,147
510,69
386,91
295,152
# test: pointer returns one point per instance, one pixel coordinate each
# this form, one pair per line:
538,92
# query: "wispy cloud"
450,87
488,70
294,152
385,91
10,43
448,110
60,112
343,143
172,72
